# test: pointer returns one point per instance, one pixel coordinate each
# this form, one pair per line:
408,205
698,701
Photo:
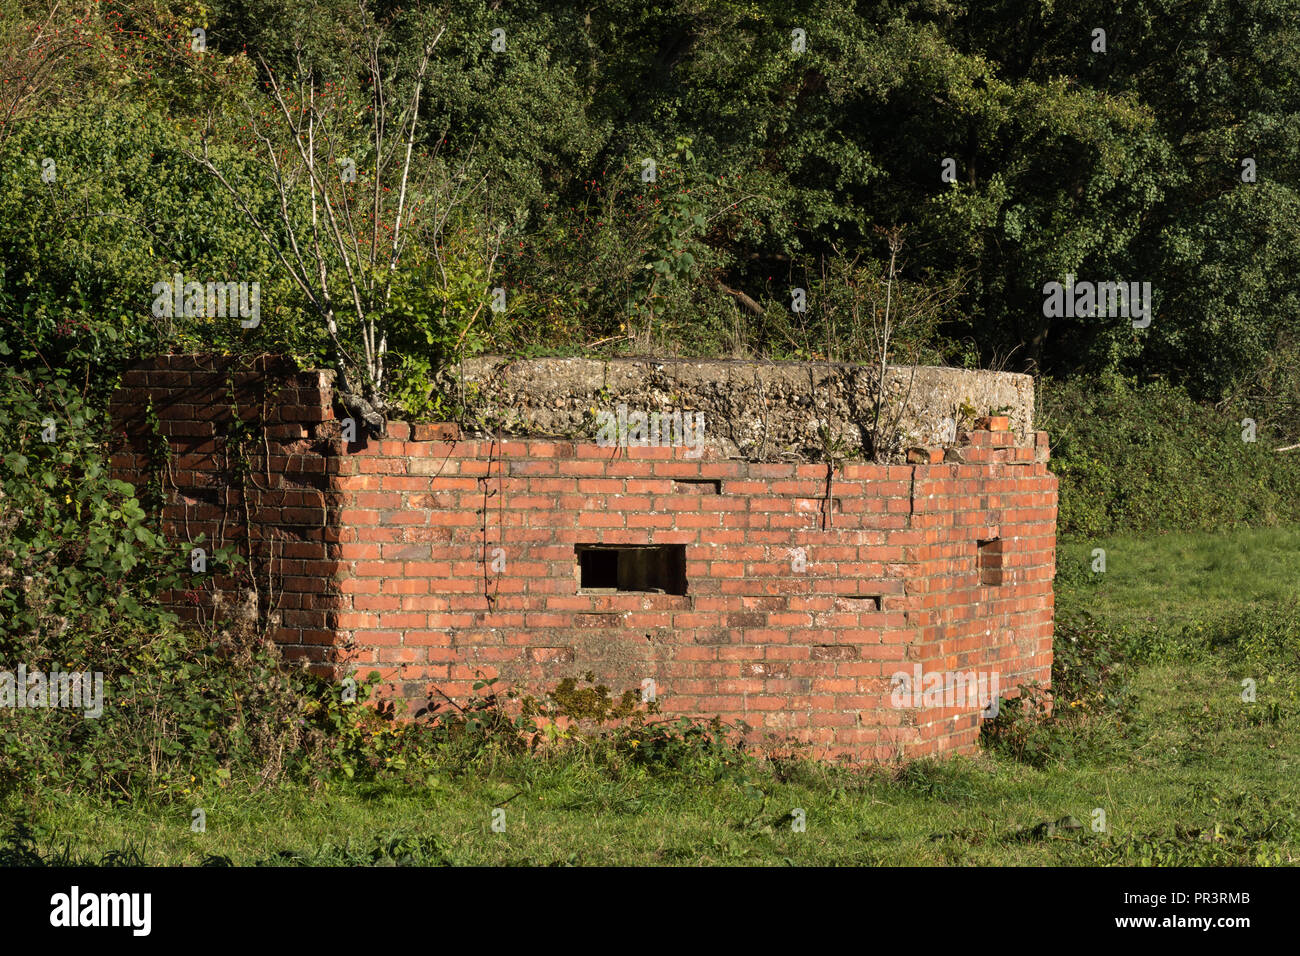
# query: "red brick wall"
273,497
380,557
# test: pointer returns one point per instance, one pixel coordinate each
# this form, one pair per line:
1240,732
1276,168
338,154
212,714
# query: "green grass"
1179,577
1186,772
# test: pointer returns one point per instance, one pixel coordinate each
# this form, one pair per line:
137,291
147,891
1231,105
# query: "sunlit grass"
1200,776
1180,577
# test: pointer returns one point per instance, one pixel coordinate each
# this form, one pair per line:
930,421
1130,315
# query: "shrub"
82,566
1087,712
1136,458
77,551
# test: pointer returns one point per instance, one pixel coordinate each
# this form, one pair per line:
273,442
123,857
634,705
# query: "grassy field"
1175,579
1152,730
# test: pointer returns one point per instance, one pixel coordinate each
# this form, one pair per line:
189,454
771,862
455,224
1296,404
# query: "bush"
1087,712
79,256
178,711
1135,458
78,554
82,567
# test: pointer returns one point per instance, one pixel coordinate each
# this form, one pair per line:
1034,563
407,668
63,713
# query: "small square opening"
989,562
645,569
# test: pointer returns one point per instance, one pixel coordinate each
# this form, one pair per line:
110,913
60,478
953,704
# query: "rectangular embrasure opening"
644,569
197,496
989,561
697,486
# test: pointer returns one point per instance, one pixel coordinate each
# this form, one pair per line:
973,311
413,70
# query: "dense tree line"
957,156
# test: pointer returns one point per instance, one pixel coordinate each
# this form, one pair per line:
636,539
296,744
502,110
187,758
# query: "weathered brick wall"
250,463
806,590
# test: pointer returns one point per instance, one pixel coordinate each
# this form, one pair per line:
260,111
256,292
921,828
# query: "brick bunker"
743,579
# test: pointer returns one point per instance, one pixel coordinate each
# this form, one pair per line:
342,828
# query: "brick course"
379,556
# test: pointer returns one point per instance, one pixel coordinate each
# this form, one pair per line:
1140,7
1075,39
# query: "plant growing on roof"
381,237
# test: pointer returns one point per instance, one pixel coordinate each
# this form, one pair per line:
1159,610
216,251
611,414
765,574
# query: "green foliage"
616,733
78,554
677,218
1137,458
1108,166
82,569
437,313
126,210
179,711
1086,715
